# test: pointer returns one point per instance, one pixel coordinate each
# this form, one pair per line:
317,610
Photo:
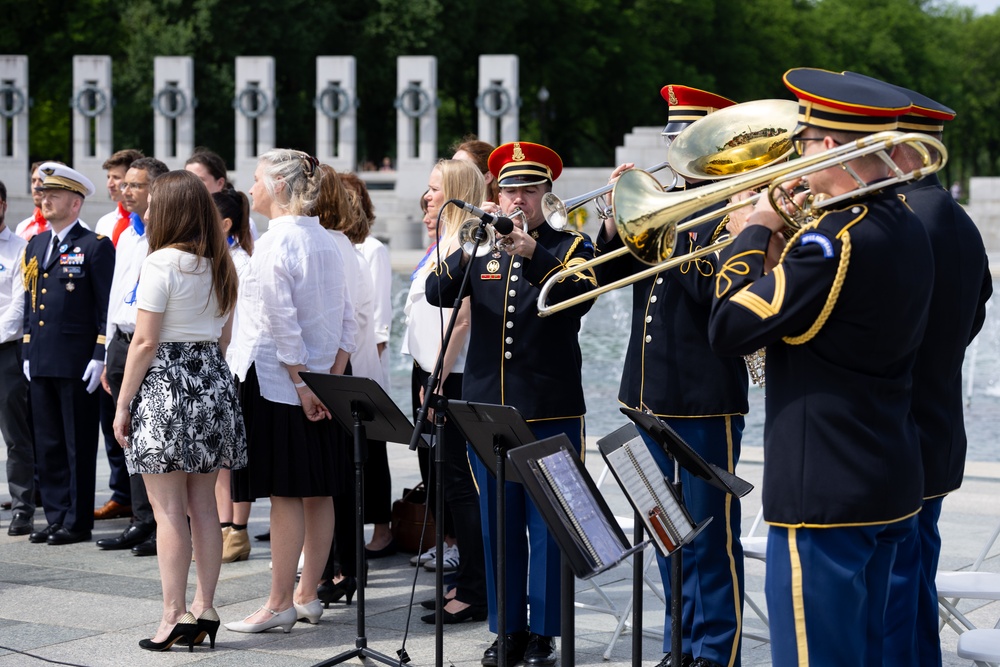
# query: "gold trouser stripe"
731,467
798,604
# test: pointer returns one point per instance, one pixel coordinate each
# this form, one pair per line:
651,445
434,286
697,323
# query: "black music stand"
493,431
692,461
355,402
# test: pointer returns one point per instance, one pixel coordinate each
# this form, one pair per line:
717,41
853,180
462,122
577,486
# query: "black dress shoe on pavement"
516,642
147,548
388,550
132,535
475,612
20,524
686,660
42,536
66,536
704,662
263,537
541,650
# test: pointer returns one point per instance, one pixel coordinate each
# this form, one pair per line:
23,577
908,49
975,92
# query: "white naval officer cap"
57,176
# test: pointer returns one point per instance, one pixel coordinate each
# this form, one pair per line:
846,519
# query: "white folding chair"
755,547
967,584
981,646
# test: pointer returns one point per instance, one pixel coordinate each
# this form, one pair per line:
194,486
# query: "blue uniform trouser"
911,616
712,612
826,592
533,557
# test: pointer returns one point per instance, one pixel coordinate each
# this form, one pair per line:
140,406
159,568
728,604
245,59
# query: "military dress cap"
835,101
57,176
521,163
688,105
924,115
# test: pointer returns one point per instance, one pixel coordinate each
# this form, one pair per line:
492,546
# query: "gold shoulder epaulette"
29,275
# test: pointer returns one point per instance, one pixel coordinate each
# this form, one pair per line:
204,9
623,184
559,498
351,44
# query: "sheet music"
650,494
581,508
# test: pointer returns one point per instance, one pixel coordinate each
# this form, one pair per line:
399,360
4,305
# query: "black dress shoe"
20,524
132,535
147,548
475,612
42,536
541,650
515,642
263,537
704,662
686,660
387,550
67,536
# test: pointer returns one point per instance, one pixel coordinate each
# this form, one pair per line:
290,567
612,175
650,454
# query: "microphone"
502,224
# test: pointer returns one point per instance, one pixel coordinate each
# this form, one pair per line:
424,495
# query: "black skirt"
288,455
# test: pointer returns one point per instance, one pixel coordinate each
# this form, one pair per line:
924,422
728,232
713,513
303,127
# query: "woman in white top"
425,324
295,316
234,209
378,481
177,416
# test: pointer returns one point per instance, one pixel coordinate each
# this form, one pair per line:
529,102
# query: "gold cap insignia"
493,266
518,154
670,93
48,171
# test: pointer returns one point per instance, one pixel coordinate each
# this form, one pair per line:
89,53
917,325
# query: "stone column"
337,111
14,124
92,115
173,109
254,109
416,143
499,102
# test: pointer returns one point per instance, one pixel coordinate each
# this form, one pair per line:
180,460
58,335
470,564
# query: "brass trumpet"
649,220
556,211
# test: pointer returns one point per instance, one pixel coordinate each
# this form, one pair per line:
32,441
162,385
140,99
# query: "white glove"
92,376
26,373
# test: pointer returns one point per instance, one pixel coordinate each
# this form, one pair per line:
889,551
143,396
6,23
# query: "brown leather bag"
408,520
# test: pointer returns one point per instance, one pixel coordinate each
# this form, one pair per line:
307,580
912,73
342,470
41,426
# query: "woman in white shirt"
178,417
295,315
425,324
234,209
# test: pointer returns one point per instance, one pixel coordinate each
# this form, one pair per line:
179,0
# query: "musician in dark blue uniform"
842,315
67,277
671,371
962,286
532,363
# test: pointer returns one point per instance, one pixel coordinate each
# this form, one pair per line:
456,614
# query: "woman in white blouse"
177,416
450,179
295,316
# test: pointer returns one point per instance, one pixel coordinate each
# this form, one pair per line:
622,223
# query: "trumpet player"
531,363
962,286
671,370
842,316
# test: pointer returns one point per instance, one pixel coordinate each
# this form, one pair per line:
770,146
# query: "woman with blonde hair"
450,179
178,418
295,315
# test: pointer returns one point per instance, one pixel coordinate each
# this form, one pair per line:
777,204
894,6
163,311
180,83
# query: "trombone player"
842,316
671,371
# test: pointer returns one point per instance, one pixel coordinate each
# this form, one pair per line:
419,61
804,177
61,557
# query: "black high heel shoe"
186,629
208,626
329,592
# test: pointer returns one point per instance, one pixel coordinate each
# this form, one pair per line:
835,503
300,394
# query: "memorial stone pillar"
173,107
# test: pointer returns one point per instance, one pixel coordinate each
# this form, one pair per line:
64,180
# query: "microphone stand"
440,403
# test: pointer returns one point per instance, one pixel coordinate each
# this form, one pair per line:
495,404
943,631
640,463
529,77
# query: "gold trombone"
649,220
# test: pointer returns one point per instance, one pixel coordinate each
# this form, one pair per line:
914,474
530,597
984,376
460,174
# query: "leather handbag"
407,521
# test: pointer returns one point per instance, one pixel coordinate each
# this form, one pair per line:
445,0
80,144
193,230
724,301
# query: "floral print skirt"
185,415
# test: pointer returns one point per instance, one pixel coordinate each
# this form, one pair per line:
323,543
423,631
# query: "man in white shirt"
36,222
112,225
13,385
133,246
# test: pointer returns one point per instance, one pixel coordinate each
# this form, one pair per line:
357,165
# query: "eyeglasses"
133,186
799,143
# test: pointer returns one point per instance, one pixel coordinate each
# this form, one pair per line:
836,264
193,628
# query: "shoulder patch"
820,240
101,236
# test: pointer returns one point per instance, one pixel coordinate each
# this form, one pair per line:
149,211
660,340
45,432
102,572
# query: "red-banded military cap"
835,101
924,115
688,105
56,176
521,163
